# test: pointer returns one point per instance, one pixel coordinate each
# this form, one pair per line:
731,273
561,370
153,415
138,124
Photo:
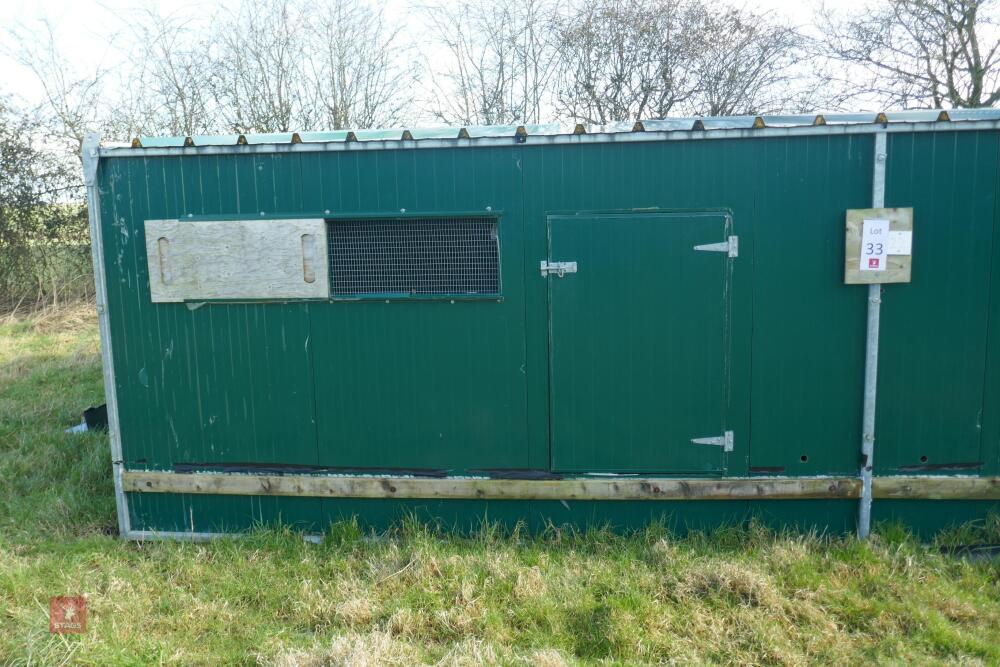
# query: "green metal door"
639,343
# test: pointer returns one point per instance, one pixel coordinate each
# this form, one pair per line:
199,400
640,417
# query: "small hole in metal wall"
804,458
923,459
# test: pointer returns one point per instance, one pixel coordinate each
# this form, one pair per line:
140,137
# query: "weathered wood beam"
624,488
936,488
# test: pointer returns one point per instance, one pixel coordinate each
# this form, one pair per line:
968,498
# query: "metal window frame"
493,217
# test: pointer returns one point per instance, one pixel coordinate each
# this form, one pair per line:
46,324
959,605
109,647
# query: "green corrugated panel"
808,327
934,332
216,383
432,383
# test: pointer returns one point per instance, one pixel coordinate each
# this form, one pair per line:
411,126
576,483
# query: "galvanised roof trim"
721,127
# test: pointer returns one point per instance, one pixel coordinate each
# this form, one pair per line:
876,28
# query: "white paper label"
874,245
899,243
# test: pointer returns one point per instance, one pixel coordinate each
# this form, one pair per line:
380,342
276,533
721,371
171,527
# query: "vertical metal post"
91,157
871,356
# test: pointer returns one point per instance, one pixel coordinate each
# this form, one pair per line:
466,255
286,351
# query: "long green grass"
416,595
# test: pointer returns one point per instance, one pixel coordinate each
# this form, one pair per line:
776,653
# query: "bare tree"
626,59
918,53
74,101
357,66
746,63
295,65
501,59
259,71
169,87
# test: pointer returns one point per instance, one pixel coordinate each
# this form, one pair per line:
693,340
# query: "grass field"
743,596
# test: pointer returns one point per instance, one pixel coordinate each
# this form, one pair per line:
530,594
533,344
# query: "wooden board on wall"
897,266
205,260
631,488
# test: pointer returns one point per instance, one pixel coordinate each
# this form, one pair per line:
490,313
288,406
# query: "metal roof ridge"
522,133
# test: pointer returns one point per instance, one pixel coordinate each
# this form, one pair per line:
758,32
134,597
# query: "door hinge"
725,441
730,246
558,268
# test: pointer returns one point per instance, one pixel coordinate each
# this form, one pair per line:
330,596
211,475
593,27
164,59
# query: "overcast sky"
85,27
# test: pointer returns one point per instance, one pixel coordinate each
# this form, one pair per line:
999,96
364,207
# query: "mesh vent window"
442,256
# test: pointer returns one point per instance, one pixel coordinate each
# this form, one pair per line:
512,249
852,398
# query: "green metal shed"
572,325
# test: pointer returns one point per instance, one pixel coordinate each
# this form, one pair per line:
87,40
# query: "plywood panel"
207,260
897,266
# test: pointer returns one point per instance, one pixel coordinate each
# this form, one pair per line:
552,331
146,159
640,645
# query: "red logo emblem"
873,263
68,614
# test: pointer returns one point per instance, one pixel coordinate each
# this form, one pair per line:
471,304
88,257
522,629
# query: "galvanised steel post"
91,157
871,356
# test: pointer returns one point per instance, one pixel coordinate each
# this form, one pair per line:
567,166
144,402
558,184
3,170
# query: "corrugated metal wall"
466,384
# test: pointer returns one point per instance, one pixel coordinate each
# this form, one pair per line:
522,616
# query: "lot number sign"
878,245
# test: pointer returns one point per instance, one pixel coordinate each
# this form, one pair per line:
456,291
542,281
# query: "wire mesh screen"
431,256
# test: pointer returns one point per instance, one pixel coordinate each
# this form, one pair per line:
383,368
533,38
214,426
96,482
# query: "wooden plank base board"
623,488
936,488
493,489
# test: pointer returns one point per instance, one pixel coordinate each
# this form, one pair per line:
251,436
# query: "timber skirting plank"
936,488
627,488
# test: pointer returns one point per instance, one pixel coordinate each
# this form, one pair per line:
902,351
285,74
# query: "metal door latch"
558,268
725,441
730,246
